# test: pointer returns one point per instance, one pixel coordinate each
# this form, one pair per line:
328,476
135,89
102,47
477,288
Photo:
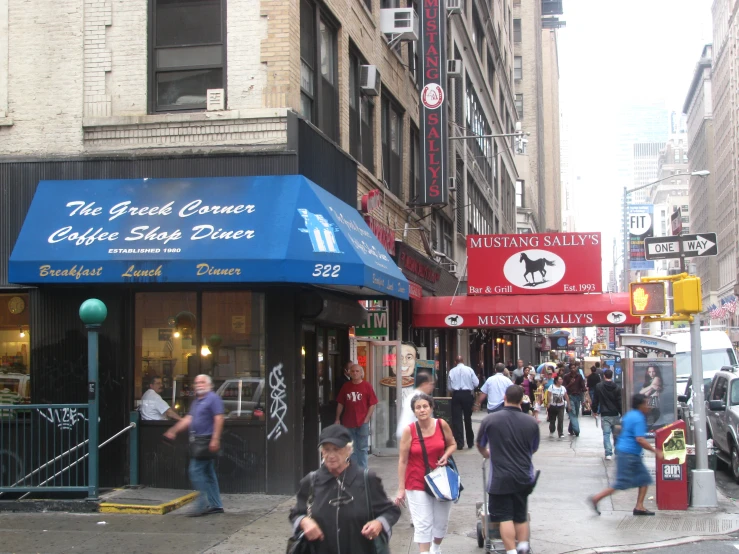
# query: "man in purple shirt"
205,422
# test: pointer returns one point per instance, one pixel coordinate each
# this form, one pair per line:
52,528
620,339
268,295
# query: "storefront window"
232,350
224,339
15,349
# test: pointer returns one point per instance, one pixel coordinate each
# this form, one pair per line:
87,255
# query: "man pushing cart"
508,438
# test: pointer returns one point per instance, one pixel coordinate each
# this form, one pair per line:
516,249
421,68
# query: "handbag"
299,543
443,483
380,542
200,447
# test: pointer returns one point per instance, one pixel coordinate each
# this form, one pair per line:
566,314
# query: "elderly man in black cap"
341,494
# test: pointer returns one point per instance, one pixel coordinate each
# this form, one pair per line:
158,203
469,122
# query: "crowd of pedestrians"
343,505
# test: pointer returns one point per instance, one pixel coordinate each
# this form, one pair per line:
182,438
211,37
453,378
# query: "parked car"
716,352
252,391
722,411
685,401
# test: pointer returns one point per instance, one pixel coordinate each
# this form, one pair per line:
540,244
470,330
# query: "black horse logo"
535,266
453,319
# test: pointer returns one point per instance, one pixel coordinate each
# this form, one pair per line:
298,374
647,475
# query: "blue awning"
280,229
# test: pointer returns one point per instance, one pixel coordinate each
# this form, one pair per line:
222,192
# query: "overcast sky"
611,55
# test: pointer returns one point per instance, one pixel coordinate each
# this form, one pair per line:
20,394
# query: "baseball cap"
337,435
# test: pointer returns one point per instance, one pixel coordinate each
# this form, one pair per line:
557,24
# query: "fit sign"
434,130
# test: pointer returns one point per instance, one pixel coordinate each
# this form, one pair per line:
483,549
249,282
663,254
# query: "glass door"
383,366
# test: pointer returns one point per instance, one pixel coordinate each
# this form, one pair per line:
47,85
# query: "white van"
717,352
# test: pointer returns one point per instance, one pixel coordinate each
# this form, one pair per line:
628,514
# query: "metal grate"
696,524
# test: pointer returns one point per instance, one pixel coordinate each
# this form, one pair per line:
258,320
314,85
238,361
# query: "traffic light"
688,297
647,298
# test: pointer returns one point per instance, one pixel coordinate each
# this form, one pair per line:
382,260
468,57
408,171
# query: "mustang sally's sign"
434,132
547,263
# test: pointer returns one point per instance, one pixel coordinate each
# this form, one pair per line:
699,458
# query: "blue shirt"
203,411
633,426
495,388
462,377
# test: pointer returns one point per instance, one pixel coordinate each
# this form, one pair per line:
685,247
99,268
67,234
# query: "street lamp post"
92,313
627,191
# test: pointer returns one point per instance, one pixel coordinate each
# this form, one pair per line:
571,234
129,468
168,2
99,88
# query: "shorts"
509,507
630,472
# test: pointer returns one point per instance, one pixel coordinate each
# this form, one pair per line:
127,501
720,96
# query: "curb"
144,509
39,506
651,545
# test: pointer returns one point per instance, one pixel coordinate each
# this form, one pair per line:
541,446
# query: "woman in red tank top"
430,517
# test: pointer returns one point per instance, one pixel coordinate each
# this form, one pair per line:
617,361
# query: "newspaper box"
672,472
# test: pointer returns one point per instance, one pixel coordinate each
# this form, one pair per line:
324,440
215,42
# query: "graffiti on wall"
278,402
64,418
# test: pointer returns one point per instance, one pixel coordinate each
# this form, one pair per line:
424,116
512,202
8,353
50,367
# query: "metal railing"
42,447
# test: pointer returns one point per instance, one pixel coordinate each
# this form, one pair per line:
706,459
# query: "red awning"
545,310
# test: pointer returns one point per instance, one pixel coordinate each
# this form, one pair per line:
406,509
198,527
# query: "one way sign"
681,246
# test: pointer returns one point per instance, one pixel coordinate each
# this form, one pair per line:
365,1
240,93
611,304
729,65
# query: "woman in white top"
557,401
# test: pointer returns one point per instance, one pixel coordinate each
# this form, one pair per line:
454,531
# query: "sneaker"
214,511
551,435
609,457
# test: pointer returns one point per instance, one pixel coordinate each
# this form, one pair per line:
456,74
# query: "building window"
519,105
318,85
516,30
519,194
516,3
479,212
188,54
415,165
392,145
441,235
491,72
361,117
478,124
414,61
517,68
368,3
478,33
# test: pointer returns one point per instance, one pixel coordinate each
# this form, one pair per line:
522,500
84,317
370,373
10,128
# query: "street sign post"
681,246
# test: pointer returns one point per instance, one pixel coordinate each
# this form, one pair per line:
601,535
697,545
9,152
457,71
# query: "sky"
612,55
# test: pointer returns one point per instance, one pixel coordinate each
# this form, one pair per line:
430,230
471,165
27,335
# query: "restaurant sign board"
546,263
434,128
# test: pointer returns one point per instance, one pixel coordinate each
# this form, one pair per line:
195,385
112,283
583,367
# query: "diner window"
225,340
517,68
15,349
392,145
187,53
318,69
361,116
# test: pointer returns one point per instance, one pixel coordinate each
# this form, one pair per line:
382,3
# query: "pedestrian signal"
688,297
647,298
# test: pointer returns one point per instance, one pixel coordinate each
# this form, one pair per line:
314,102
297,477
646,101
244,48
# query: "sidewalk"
561,520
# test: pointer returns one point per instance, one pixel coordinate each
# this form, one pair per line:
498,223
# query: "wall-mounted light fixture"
22,333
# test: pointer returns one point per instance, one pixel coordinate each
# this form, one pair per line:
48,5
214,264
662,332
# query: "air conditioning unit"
369,80
401,23
453,6
454,69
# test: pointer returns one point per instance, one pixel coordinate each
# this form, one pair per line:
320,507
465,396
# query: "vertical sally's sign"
434,131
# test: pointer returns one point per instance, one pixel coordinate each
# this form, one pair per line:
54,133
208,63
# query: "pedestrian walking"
557,400
462,383
516,438
576,388
424,384
430,517
518,371
494,390
630,469
592,381
340,507
539,395
607,404
356,402
205,422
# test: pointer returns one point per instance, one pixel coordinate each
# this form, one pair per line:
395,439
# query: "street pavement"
561,520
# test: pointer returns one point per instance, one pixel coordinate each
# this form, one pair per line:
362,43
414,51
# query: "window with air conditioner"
361,115
187,54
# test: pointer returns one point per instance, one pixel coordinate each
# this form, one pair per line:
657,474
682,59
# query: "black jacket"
607,399
352,515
